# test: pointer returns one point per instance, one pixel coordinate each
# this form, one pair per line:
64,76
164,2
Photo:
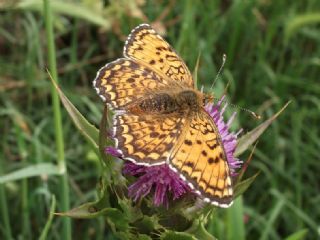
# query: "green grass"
272,52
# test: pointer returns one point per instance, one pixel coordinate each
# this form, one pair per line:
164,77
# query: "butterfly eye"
204,101
207,99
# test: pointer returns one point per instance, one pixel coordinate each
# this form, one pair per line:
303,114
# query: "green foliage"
272,57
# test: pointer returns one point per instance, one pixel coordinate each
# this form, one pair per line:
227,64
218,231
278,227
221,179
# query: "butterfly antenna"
226,88
224,58
252,113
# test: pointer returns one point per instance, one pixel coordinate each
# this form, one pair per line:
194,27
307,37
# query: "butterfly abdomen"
161,103
164,103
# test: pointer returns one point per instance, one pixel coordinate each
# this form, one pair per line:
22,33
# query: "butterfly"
159,116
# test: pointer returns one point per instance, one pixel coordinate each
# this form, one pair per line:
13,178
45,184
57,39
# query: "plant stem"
24,186
4,207
235,223
66,233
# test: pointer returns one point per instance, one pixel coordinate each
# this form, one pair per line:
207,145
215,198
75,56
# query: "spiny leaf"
247,140
242,186
245,165
115,217
104,141
198,230
90,132
89,210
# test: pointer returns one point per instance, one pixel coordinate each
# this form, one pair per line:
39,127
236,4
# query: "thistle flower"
229,139
161,180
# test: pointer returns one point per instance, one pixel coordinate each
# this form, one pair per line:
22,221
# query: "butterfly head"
207,98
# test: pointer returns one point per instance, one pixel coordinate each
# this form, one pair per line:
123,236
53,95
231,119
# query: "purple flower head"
159,178
229,139
162,181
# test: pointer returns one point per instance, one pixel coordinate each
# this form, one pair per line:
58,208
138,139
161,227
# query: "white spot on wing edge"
133,32
130,36
94,83
173,168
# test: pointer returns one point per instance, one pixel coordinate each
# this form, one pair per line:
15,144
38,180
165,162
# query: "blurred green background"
273,56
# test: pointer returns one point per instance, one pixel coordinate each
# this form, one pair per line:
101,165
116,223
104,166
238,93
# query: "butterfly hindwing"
201,160
146,139
147,47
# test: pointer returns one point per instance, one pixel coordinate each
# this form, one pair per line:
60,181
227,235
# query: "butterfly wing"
146,139
123,81
147,47
200,159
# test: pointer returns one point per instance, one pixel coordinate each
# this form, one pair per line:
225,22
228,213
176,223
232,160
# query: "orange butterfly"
160,116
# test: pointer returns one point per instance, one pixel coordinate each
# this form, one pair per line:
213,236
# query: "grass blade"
276,211
45,231
300,21
78,10
6,227
299,235
66,231
31,171
235,223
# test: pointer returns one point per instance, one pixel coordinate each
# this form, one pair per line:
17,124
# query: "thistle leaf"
88,210
89,131
198,230
242,186
247,140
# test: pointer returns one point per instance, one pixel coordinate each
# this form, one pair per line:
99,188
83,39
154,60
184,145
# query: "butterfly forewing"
123,81
148,48
200,158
